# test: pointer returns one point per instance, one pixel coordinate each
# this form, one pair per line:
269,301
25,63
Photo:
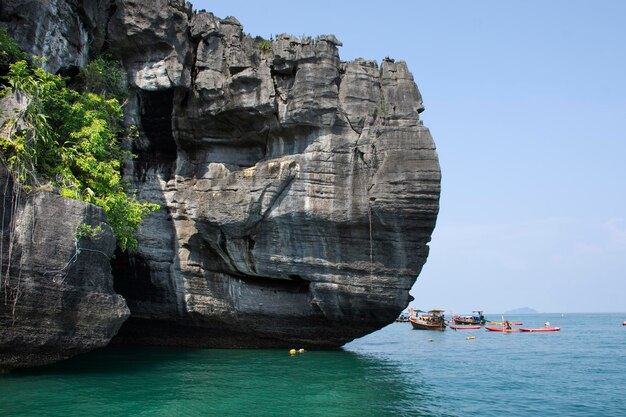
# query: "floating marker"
301,350
429,340
470,338
292,352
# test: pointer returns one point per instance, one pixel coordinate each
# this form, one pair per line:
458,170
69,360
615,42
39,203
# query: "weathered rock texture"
57,290
298,192
61,31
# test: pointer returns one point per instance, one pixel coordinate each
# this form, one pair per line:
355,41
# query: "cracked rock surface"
298,192
57,289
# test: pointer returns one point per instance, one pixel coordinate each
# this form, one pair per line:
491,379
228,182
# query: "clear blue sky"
526,101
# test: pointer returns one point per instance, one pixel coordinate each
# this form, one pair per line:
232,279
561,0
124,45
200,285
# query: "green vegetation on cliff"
10,52
69,140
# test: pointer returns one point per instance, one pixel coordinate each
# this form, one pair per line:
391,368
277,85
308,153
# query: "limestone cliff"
298,191
57,289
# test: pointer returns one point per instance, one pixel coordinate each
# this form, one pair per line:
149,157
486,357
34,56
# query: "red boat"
540,329
624,323
501,329
464,327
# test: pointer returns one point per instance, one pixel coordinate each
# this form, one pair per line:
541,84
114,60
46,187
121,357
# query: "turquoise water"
579,371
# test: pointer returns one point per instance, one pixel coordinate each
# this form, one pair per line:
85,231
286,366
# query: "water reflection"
154,381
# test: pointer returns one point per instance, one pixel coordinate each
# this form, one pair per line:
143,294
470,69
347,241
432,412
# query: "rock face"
61,31
298,192
57,290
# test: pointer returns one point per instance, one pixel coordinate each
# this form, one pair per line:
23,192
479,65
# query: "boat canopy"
437,311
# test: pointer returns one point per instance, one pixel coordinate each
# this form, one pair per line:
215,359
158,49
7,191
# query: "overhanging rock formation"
298,192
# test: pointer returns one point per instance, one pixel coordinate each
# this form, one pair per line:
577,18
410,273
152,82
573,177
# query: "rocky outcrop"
57,288
61,31
298,192
152,40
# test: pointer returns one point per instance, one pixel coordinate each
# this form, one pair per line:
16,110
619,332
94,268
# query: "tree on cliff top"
70,141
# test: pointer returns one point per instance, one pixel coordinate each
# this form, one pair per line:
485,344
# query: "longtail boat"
433,320
476,318
403,318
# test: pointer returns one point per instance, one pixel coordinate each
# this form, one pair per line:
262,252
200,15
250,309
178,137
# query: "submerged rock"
298,192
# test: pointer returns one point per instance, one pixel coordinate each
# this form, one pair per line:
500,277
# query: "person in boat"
507,324
546,324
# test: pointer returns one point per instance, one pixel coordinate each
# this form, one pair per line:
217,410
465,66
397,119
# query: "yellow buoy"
301,350
292,352
470,338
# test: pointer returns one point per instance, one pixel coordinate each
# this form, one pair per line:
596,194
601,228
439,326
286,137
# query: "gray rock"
298,197
298,192
94,16
64,32
360,93
152,41
57,289
51,30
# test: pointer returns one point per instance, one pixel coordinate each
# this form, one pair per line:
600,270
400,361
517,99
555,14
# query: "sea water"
397,371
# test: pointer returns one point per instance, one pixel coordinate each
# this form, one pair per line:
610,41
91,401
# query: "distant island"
523,310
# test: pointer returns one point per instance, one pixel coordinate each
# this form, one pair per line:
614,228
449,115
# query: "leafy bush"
10,52
86,231
71,141
103,76
265,45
